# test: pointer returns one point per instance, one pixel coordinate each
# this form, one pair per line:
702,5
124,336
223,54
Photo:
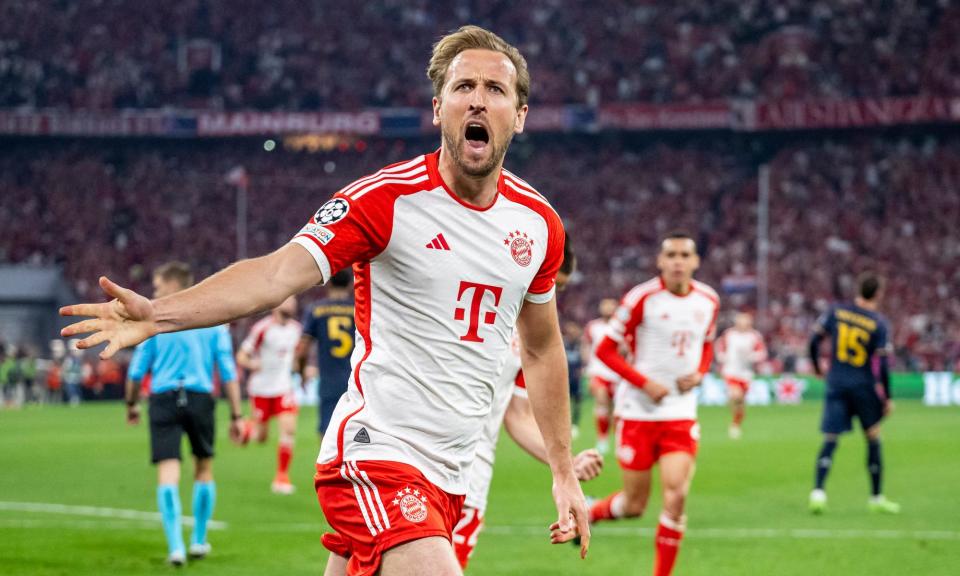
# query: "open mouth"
477,135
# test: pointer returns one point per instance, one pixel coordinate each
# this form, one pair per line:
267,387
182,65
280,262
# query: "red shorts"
266,407
641,443
737,383
375,505
598,383
466,533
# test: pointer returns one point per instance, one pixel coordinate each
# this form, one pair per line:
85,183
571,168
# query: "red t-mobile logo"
475,302
681,340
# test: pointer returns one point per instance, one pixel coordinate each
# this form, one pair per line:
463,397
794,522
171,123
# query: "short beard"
496,157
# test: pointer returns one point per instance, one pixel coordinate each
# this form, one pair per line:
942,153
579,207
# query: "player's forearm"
233,397
814,351
241,289
706,358
244,360
131,391
546,376
885,376
608,354
522,426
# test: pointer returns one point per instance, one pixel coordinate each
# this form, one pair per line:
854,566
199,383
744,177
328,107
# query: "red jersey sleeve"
542,287
347,230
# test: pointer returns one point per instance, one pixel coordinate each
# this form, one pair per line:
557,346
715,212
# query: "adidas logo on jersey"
362,436
438,243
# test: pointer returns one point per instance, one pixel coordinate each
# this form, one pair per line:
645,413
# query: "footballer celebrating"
668,323
450,254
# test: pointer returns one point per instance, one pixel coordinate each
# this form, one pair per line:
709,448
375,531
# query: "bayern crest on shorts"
332,211
413,504
521,247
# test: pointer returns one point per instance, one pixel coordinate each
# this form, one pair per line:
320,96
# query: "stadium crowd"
882,203
294,55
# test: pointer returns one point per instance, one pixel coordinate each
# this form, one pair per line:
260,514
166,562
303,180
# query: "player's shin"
168,501
669,534
204,499
284,455
875,467
824,462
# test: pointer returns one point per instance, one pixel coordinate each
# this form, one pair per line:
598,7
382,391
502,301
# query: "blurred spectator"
294,55
837,206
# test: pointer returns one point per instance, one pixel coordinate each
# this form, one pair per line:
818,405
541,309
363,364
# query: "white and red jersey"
593,333
739,351
273,344
439,286
669,334
509,384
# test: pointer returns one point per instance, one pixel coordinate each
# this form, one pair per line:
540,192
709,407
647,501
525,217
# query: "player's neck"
679,288
477,191
865,304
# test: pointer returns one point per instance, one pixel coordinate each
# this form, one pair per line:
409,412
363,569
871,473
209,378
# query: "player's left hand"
689,382
573,517
587,465
888,407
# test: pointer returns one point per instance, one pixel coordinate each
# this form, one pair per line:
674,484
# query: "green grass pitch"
747,512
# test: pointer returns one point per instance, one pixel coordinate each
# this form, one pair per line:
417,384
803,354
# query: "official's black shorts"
842,403
176,412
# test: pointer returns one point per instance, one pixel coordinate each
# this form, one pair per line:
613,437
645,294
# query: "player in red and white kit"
511,410
603,380
669,324
739,349
450,253
267,352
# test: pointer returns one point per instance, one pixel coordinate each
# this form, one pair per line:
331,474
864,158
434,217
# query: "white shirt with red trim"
509,384
439,286
669,334
274,345
594,332
739,351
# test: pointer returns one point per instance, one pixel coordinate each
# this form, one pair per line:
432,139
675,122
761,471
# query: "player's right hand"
573,516
888,407
125,321
133,414
655,391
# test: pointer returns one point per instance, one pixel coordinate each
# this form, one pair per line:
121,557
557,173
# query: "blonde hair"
475,38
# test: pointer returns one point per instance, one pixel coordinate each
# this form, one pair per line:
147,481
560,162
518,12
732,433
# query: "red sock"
738,416
668,544
284,454
603,509
603,425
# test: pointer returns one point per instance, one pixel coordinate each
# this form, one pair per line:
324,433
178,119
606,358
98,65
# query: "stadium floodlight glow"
269,145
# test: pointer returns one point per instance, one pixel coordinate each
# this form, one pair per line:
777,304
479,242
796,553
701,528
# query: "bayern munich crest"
413,504
521,247
332,211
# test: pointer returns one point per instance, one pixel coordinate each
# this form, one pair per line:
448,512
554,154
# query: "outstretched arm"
241,289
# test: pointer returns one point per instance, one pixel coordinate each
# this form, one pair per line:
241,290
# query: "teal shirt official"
185,359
